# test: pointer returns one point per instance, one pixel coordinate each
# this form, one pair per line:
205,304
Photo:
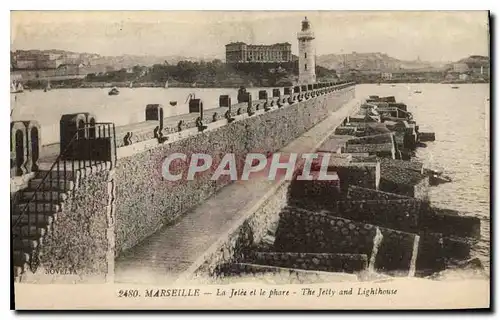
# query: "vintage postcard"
250,160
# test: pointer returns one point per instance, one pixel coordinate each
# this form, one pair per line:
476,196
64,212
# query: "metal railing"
91,145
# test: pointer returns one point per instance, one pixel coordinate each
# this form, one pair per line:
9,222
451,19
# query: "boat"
173,103
455,87
113,92
393,85
166,84
418,91
16,87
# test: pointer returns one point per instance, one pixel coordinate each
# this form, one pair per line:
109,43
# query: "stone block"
195,106
263,95
73,127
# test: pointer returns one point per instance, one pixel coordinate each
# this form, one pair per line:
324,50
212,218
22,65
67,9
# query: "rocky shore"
375,219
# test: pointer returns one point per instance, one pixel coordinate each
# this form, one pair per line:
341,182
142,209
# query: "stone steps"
34,207
29,232
48,196
25,244
51,185
33,219
20,257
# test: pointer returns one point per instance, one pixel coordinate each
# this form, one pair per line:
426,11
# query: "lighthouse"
307,63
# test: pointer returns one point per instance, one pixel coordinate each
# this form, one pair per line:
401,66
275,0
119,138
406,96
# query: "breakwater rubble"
376,220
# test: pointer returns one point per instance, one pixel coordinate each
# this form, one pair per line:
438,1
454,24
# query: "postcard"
243,160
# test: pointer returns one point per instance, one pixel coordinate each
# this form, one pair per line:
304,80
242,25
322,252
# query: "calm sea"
459,117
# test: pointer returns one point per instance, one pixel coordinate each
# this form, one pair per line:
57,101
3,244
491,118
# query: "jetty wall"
145,201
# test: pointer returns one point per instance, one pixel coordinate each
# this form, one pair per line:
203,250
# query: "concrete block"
263,95
224,101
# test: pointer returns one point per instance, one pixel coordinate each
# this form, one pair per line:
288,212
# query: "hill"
475,61
371,61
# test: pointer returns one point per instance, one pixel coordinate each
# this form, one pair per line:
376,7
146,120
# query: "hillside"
475,61
371,61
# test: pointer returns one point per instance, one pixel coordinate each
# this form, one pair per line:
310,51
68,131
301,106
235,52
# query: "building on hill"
240,52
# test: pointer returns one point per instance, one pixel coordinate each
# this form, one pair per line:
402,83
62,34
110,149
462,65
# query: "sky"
428,35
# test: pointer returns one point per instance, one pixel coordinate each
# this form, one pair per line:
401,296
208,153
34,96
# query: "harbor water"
459,117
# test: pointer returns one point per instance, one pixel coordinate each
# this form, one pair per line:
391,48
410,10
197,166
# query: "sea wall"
146,202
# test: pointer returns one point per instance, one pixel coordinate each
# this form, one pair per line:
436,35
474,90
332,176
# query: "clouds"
405,35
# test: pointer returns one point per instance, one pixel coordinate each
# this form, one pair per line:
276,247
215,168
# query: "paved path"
177,250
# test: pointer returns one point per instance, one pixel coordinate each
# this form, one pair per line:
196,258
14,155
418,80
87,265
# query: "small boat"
166,84
113,92
393,85
418,91
173,103
455,87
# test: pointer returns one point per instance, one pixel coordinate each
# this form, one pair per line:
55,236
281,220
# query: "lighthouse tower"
307,63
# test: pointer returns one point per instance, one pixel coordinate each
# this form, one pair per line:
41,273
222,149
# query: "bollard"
266,106
276,93
250,109
225,101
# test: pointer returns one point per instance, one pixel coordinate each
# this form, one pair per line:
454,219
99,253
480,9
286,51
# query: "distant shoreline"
35,85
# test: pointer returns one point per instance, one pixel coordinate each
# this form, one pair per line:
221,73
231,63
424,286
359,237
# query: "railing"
91,145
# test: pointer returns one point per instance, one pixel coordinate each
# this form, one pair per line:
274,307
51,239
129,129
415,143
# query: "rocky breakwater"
374,215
